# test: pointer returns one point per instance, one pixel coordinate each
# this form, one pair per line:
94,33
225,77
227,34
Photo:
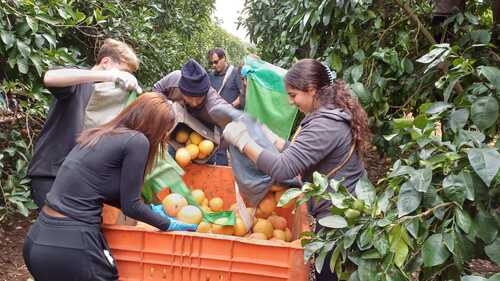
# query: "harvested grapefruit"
195,138
190,214
216,204
206,147
193,150
173,203
182,136
183,157
198,196
265,227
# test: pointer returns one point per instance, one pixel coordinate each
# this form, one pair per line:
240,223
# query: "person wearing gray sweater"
331,139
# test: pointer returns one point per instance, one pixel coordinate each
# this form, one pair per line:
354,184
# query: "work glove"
159,210
236,133
270,135
176,225
125,80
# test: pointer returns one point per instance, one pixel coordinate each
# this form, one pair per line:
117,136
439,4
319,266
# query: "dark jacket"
322,144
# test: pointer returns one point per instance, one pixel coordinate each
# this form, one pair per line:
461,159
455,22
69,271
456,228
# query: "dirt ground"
13,231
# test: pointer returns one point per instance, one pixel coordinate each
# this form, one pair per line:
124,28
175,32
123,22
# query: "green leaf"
458,119
367,270
39,41
361,92
463,219
350,236
493,251
431,56
399,170
454,188
438,107
421,179
333,221
492,74
320,180
384,202
320,260
22,65
487,228
50,39
289,195
401,123
357,72
38,64
449,88
484,112
485,162
337,199
473,278
409,199
8,38
365,191
434,251
311,248
401,253
32,23
23,48
381,244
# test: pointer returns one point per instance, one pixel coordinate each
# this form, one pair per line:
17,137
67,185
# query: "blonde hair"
119,52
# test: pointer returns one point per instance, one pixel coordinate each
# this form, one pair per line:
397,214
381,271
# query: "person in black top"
106,166
72,89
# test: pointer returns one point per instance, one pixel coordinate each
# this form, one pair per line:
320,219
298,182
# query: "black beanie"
194,80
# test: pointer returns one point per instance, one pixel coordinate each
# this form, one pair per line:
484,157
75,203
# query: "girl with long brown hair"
106,166
331,139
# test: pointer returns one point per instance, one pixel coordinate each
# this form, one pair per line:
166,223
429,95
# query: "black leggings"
62,249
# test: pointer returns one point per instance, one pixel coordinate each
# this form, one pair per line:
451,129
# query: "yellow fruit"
198,196
278,222
239,227
204,227
182,136
190,214
202,156
206,147
183,157
279,234
173,203
193,150
195,138
216,204
217,228
288,235
206,209
276,188
204,202
267,205
257,235
264,226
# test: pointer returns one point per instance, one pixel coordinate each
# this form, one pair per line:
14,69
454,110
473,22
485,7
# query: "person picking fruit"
331,139
190,86
107,165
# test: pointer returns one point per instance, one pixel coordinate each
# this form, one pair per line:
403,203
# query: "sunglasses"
214,62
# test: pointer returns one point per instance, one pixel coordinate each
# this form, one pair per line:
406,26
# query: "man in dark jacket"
190,86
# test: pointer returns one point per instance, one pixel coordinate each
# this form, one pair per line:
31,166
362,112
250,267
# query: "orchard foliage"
432,95
37,35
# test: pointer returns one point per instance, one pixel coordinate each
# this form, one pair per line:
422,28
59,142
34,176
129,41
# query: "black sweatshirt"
109,172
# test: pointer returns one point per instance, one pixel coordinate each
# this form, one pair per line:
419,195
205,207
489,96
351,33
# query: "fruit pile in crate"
265,223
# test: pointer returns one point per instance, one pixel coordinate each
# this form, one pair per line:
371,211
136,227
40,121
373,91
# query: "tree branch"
426,213
417,21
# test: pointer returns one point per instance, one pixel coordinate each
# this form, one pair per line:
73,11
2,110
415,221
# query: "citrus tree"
37,35
431,88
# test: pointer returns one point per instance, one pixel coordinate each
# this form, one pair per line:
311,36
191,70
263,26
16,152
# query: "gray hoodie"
169,86
322,144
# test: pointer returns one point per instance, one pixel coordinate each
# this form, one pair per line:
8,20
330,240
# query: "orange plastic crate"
185,256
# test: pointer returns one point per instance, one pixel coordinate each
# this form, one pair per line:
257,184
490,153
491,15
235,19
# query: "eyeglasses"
214,62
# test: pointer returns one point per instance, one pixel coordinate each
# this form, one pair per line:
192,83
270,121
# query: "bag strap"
341,165
229,71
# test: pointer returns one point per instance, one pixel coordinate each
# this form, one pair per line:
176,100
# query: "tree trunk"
495,6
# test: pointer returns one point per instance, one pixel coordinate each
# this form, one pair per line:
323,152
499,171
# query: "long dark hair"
310,74
151,114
